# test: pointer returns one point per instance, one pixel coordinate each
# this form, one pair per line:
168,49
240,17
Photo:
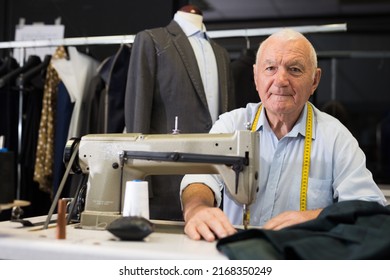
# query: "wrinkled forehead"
278,48
292,48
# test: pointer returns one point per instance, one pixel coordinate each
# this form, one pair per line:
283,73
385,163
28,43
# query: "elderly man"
308,159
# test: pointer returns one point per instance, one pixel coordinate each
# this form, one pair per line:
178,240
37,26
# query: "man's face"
285,76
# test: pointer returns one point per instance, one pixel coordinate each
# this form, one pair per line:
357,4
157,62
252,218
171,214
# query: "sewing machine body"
102,157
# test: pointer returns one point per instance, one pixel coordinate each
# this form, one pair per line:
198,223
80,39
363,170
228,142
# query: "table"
35,243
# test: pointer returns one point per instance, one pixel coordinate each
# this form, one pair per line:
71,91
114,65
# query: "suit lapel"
187,55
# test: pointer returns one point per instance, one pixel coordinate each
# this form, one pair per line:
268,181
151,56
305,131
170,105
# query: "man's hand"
290,218
202,218
208,223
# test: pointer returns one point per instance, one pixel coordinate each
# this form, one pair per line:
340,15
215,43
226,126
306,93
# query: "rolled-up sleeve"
212,181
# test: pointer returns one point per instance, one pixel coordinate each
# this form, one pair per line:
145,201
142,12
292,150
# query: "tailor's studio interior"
284,155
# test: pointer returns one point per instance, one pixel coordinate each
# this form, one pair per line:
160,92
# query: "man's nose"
281,78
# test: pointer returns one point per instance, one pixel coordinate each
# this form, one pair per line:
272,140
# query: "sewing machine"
112,159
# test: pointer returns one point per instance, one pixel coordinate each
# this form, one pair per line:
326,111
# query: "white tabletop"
167,242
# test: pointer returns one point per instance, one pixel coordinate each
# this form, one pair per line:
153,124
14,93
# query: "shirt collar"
299,127
188,28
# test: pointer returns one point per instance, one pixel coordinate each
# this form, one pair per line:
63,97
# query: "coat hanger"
32,61
9,64
247,51
248,43
31,73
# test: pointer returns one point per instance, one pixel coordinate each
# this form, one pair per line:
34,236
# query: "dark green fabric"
344,230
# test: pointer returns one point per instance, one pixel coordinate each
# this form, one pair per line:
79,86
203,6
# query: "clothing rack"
123,39
128,39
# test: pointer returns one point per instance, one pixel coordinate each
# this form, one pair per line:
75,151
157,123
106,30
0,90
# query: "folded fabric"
345,230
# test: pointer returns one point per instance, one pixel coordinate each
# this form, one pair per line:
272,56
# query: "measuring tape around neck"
306,152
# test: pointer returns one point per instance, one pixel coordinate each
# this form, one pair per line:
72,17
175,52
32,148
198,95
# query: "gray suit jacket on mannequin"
164,82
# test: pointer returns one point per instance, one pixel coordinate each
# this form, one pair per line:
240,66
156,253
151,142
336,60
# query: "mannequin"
164,82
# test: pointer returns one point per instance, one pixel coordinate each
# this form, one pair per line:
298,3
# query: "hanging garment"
33,83
43,170
104,74
10,77
8,64
345,230
244,85
8,129
96,98
7,158
8,83
114,72
64,110
76,73
9,106
383,140
19,93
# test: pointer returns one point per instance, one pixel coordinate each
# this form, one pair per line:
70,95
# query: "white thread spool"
136,202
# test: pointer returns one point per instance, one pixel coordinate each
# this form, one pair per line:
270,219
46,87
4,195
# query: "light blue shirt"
337,170
207,63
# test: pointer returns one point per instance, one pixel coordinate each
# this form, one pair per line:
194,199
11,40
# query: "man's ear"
316,80
255,75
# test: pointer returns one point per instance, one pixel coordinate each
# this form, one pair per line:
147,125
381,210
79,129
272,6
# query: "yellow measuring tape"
306,153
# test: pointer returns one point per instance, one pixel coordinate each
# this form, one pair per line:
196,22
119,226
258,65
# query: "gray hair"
291,34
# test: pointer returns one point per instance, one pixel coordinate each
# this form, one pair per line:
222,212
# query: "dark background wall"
355,63
88,17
